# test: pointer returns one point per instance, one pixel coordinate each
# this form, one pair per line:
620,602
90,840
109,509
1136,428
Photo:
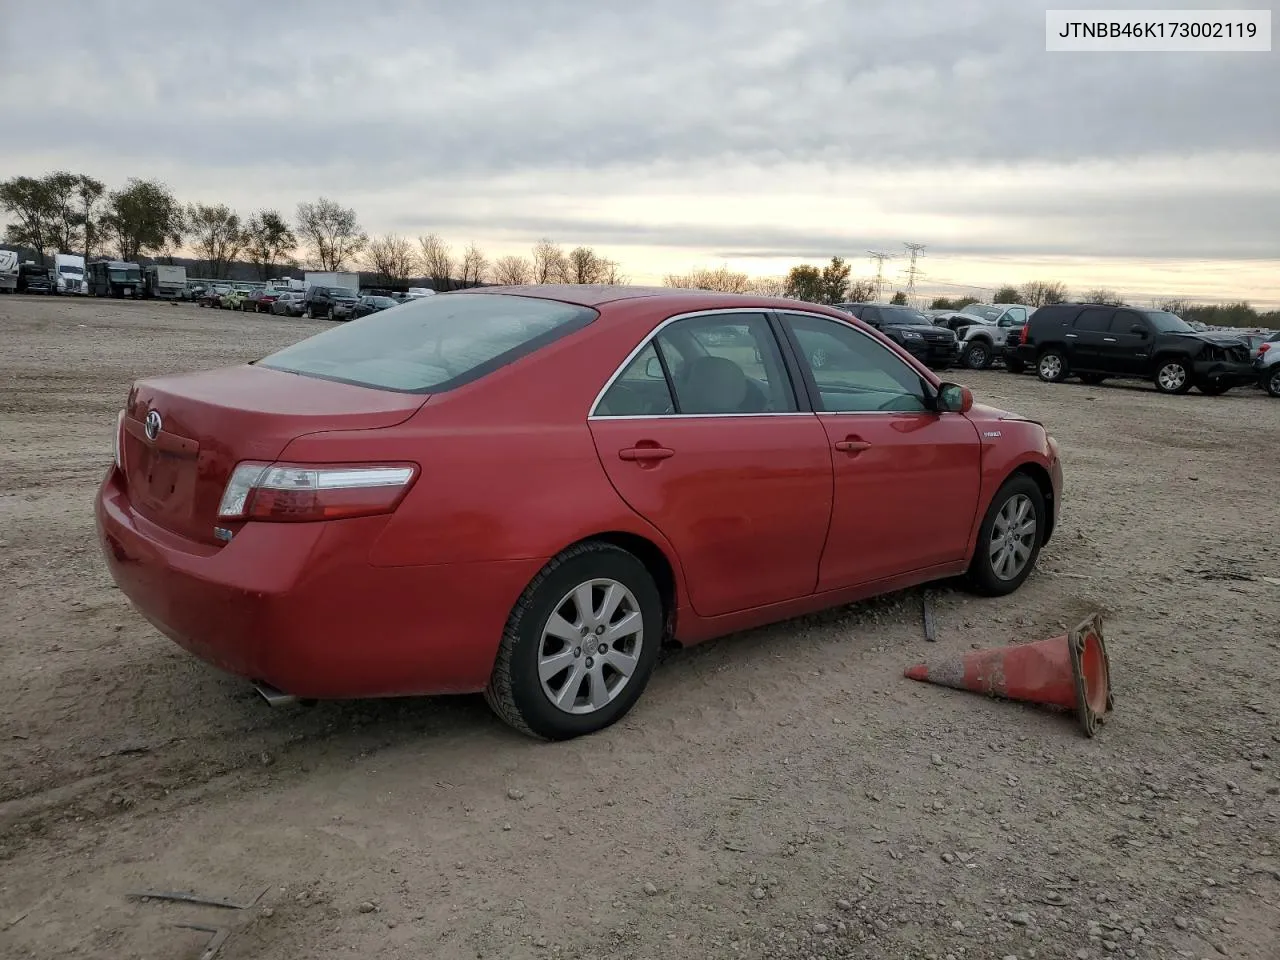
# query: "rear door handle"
645,453
1108,339
1072,336
852,445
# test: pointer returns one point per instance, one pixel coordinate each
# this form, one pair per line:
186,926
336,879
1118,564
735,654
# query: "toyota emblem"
152,425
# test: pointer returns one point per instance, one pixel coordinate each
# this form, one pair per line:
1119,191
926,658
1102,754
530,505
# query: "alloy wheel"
590,646
1050,366
1172,376
1013,536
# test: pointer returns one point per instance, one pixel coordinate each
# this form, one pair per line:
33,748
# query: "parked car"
984,339
1267,365
35,278
288,303
367,305
213,294
329,303
911,330
258,301
1097,341
527,494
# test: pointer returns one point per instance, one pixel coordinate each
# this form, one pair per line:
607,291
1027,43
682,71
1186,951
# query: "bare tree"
473,266
216,231
1039,293
768,286
611,273
721,280
584,265
549,263
861,291
437,261
1103,295
270,241
512,271
331,232
393,258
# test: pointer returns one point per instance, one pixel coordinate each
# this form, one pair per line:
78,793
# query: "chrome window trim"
712,312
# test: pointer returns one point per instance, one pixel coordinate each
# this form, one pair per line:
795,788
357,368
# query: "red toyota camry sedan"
526,490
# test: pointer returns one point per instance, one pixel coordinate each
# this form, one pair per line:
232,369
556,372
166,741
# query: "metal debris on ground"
183,897
930,626
216,940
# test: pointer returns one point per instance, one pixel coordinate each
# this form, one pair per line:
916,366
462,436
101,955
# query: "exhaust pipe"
274,697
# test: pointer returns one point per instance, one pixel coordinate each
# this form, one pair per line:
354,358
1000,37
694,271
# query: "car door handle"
645,453
1072,336
1108,339
852,445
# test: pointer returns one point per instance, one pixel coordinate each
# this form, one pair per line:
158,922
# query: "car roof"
673,298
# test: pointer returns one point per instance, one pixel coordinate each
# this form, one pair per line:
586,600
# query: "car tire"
1092,379
1271,380
1173,375
517,691
329,314
988,575
1051,367
977,356
309,313
1015,366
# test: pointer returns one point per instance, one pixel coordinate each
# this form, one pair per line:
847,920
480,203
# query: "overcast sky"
676,134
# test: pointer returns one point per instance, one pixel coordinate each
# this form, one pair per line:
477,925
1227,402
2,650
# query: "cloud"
508,119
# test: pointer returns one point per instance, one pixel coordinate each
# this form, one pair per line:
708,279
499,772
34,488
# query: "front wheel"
1174,376
977,356
1271,380
1052,366
1010,538
579,646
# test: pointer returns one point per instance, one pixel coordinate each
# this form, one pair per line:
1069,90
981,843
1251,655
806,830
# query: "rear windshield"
432,344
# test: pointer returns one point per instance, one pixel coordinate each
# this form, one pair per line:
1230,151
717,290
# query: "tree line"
72,212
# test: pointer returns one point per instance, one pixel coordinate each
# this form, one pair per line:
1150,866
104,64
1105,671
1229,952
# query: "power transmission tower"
878,258
914,249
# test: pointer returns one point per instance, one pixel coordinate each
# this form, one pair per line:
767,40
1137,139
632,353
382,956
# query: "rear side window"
1094,318
433,344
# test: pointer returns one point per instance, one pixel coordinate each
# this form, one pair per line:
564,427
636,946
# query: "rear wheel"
1010,538
1052,366
1173,375
579,646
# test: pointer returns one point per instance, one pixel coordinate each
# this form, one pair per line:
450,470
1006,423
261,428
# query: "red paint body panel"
905,502
297,605
745,501
511,473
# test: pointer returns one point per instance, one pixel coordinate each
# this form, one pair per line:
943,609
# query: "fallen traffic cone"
1070,671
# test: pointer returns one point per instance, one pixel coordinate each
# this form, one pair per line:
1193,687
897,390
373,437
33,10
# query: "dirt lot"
783,793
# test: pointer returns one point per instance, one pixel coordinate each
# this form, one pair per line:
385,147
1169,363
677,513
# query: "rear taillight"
299,492
117,441
1263,348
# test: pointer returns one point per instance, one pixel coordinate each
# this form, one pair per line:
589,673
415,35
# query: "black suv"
1095,341
328,303
911,329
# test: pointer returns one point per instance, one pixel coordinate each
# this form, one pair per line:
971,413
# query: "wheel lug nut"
604,648
590,662
577,651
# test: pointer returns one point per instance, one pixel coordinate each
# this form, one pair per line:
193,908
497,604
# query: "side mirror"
653,369
1138,329
953,398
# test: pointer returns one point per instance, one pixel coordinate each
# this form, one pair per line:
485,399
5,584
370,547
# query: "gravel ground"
783,793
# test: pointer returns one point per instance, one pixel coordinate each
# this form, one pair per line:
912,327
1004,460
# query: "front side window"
853,372
431,344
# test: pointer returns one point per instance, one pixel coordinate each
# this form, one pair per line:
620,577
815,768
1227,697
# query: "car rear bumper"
299,606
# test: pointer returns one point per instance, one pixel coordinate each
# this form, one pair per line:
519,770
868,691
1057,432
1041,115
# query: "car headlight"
911,335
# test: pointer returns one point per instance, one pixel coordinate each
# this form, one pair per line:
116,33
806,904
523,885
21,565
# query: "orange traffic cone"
1070,671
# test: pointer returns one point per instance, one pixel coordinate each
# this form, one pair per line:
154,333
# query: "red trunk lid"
211,421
